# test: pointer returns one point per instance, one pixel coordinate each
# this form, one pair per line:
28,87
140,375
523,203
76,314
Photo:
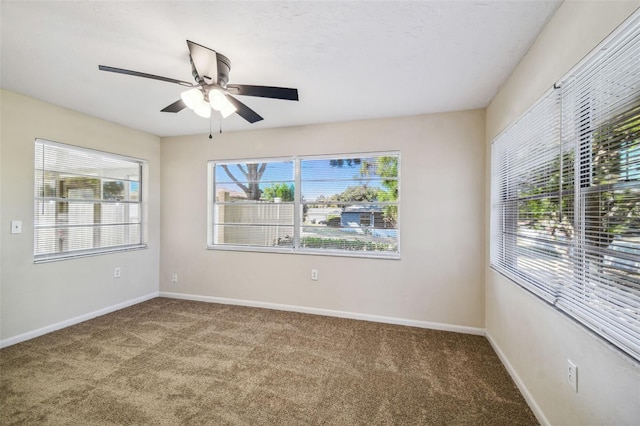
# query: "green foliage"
49,190
542,205
356,193
334,221
113,190
279,190
344,244
385,167
613,207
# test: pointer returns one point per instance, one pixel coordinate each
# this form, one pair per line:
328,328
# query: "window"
253,203
344,205
86,202
565,220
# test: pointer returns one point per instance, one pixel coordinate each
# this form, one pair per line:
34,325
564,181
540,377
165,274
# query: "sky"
317,175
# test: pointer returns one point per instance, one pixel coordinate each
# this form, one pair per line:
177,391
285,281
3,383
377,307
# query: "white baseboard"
72,321
327,312
537,411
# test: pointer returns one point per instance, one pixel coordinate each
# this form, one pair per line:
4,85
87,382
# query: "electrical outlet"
314,274
116,272
572,374
174,278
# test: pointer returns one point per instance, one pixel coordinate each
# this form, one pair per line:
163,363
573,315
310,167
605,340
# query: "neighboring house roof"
363,209
324,211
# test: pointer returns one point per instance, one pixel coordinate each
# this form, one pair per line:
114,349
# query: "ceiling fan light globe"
217,99
191,97
203,109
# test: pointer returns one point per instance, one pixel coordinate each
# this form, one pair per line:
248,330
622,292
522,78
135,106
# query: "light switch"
16,227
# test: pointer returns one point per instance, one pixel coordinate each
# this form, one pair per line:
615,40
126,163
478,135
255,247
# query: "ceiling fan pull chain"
210,135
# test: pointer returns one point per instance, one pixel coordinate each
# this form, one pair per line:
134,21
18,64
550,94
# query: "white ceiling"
348,59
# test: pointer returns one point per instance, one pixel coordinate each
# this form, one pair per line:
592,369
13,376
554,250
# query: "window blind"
529,229
565,220
85,201
601,105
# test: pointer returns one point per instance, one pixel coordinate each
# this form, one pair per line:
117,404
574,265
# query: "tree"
544,205
387,168
113,190
607,175
252,173
612,205
279,190
356,193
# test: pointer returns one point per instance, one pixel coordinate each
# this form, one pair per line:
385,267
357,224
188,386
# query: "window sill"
86,253
302,251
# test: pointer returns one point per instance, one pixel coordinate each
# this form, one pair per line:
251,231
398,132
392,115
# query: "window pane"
350,204
254,204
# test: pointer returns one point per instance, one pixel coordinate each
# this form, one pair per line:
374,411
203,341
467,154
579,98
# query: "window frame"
142,166
296,247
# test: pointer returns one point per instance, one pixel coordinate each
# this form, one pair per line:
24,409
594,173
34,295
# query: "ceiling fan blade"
244,111
177,106
204,63
145,75
264,91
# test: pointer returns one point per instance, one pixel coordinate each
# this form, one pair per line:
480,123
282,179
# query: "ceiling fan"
210,70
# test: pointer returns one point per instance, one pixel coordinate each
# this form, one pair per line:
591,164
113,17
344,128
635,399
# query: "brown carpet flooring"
170,362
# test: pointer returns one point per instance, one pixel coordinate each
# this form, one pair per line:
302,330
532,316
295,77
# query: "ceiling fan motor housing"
224,66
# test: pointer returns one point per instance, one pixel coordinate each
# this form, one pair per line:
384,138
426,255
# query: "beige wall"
34,296
439,278
534,339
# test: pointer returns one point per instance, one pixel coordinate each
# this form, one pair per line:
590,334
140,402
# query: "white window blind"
85,202
529,228
343,205
601,105
566,198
